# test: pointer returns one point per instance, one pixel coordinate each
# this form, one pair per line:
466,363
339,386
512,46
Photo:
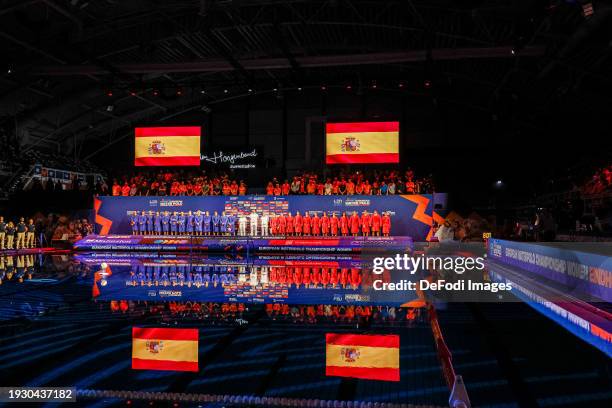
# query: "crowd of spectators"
312,314
39,230
600,182
71,229
175,183
387,182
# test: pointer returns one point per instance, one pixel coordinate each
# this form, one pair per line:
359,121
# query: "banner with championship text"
167,146
584,272
362,142
411,215
371,357
164,349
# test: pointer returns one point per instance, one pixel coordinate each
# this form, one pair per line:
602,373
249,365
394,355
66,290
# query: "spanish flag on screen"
164,349
167,146
372,357
362,142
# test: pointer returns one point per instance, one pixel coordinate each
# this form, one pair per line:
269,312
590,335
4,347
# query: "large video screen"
362,143
167,146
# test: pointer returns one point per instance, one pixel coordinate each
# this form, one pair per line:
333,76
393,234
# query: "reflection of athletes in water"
16,268
179,275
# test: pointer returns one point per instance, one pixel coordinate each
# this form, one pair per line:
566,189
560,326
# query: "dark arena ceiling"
67,61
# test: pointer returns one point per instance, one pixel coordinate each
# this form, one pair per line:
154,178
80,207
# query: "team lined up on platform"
203,223
17,235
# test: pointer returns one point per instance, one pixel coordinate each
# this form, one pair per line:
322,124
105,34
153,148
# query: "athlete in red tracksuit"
298,223
375,224
354,223
281,225
316,225
273,224
335,222
386,224
344,225
307,222
324,224
289,223
366,221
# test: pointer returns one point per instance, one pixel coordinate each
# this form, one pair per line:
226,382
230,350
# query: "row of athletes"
17,236
202,223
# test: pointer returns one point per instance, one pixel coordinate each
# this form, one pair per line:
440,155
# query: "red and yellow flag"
362,142
164,349
372,357
167,146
